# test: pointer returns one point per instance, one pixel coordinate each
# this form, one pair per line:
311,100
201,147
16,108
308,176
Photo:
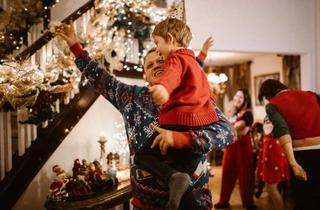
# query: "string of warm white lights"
17,18
115,31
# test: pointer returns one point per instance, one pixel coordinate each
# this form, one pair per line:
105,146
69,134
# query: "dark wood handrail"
47,36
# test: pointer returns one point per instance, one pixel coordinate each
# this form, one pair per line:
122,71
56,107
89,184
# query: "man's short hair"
177,28
153,49
270,88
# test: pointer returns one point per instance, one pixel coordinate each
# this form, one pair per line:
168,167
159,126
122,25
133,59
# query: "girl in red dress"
273,166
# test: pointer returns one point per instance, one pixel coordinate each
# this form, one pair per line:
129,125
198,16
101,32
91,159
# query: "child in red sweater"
184,95
183,89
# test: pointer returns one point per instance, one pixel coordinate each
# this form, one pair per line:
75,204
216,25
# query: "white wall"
80,143
272,26
64,8
263,65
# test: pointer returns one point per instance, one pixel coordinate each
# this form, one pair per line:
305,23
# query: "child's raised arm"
204,51
207,45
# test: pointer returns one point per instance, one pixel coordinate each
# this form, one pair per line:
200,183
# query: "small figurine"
98,171
92,172
84,169
76,168
56,169
58,186
113,160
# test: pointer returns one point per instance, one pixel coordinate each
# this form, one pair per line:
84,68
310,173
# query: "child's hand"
164,139
66,31
299,172
159,94
207,44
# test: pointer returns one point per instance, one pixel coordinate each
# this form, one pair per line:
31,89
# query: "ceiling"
229,58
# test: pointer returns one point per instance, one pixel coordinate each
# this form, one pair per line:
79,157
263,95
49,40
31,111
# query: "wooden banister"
47,36
26,167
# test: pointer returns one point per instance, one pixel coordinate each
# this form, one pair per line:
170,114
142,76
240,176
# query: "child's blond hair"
177,28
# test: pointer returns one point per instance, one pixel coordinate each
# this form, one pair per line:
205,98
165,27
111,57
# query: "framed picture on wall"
259,79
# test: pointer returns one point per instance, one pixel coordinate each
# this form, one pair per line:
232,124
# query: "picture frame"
259,79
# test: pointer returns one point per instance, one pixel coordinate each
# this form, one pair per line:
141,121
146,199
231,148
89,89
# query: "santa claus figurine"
58,186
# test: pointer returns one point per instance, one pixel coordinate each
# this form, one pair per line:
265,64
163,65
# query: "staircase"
25,148
27,143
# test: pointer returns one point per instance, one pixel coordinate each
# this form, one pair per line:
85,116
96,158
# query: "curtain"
239,76
291,71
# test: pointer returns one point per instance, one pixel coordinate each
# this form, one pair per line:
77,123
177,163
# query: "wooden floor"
263,203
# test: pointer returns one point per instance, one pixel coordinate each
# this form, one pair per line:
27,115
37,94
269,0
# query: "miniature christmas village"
87,179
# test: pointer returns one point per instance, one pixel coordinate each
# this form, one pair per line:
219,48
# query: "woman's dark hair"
270,88
257,127
247,99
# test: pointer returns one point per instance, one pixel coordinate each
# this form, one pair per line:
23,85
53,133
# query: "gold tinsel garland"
16,19
108,35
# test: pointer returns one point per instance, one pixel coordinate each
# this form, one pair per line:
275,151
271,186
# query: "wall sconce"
218,82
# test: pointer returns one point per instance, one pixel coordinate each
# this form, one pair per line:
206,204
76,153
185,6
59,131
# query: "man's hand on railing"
66,31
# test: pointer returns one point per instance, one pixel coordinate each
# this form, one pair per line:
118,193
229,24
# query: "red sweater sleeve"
202,56
76,49
171,76
182,140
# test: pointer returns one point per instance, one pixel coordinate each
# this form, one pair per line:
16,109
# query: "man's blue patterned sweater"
138,111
